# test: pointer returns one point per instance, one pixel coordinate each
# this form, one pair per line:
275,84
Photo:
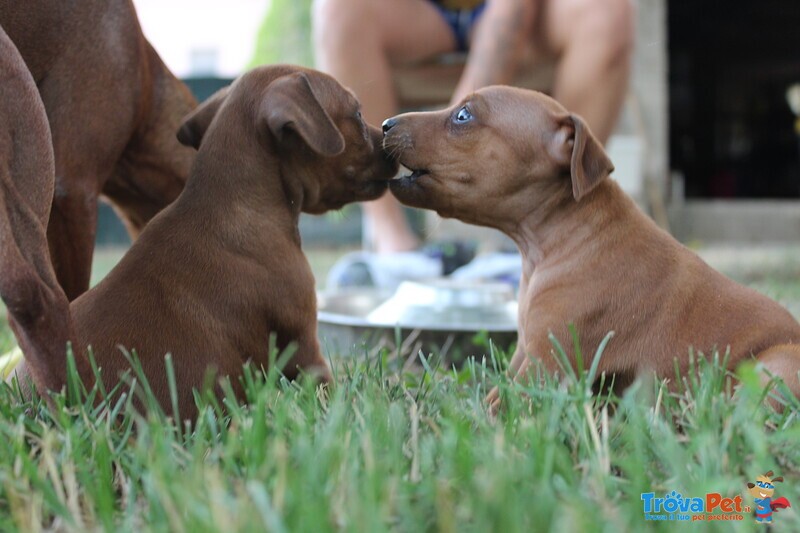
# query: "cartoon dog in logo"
762,490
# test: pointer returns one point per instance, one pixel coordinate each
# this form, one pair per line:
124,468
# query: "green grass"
384,452
400,452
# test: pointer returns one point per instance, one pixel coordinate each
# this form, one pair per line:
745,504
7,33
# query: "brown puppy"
221,269
517,161
113,109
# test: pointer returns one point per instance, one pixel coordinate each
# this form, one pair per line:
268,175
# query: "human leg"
593,41
358,42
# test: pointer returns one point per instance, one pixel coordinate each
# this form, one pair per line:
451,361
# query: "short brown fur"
221,269
526,166
37,307
113,109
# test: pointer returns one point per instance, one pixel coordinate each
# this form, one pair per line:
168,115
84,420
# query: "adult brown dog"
113,109
517,161
221,269
37,306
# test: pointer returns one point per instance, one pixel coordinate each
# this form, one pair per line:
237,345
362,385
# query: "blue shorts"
461,22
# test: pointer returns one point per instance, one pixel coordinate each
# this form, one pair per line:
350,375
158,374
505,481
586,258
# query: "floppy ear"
769,474
196,123
290,105
588,161
751,485
778,479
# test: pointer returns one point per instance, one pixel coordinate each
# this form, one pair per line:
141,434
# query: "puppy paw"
492,402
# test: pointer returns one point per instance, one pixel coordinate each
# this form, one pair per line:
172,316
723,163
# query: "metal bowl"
435,316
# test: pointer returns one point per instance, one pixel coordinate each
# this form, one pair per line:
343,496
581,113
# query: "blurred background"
709,143
208,50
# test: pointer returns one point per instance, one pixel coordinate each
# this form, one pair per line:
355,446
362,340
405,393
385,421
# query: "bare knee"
608,24
341,24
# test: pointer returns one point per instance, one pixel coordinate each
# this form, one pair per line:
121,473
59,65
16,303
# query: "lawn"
412,452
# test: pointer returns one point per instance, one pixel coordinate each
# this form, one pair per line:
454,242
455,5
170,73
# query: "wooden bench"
431,84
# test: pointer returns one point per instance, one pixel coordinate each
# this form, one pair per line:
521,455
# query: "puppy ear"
290,105
588,161
196,123
751,485
778,479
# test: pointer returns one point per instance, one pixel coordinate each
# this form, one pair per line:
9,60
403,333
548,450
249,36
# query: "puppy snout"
388,124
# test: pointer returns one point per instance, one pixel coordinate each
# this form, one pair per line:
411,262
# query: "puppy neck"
561,225
241,184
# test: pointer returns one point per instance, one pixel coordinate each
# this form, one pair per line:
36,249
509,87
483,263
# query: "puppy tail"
38,309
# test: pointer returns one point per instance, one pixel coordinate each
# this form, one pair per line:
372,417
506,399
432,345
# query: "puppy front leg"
517,361
523,365
782,361
308,360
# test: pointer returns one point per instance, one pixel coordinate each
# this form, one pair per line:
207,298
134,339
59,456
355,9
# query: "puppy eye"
358,114
463,115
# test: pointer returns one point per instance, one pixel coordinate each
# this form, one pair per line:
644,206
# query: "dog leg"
525,368
38,309
308,360
91,123
71,233
493,398
783,361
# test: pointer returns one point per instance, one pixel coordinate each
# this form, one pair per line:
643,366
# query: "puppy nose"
388,124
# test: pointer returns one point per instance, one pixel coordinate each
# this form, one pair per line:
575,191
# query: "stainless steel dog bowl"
437,316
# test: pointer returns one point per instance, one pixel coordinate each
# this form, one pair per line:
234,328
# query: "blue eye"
463,115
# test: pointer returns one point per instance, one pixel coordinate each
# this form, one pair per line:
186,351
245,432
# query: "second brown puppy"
517,161
220,270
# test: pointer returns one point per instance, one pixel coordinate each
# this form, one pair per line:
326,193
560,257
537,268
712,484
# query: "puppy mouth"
406,173
378,184
373,188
